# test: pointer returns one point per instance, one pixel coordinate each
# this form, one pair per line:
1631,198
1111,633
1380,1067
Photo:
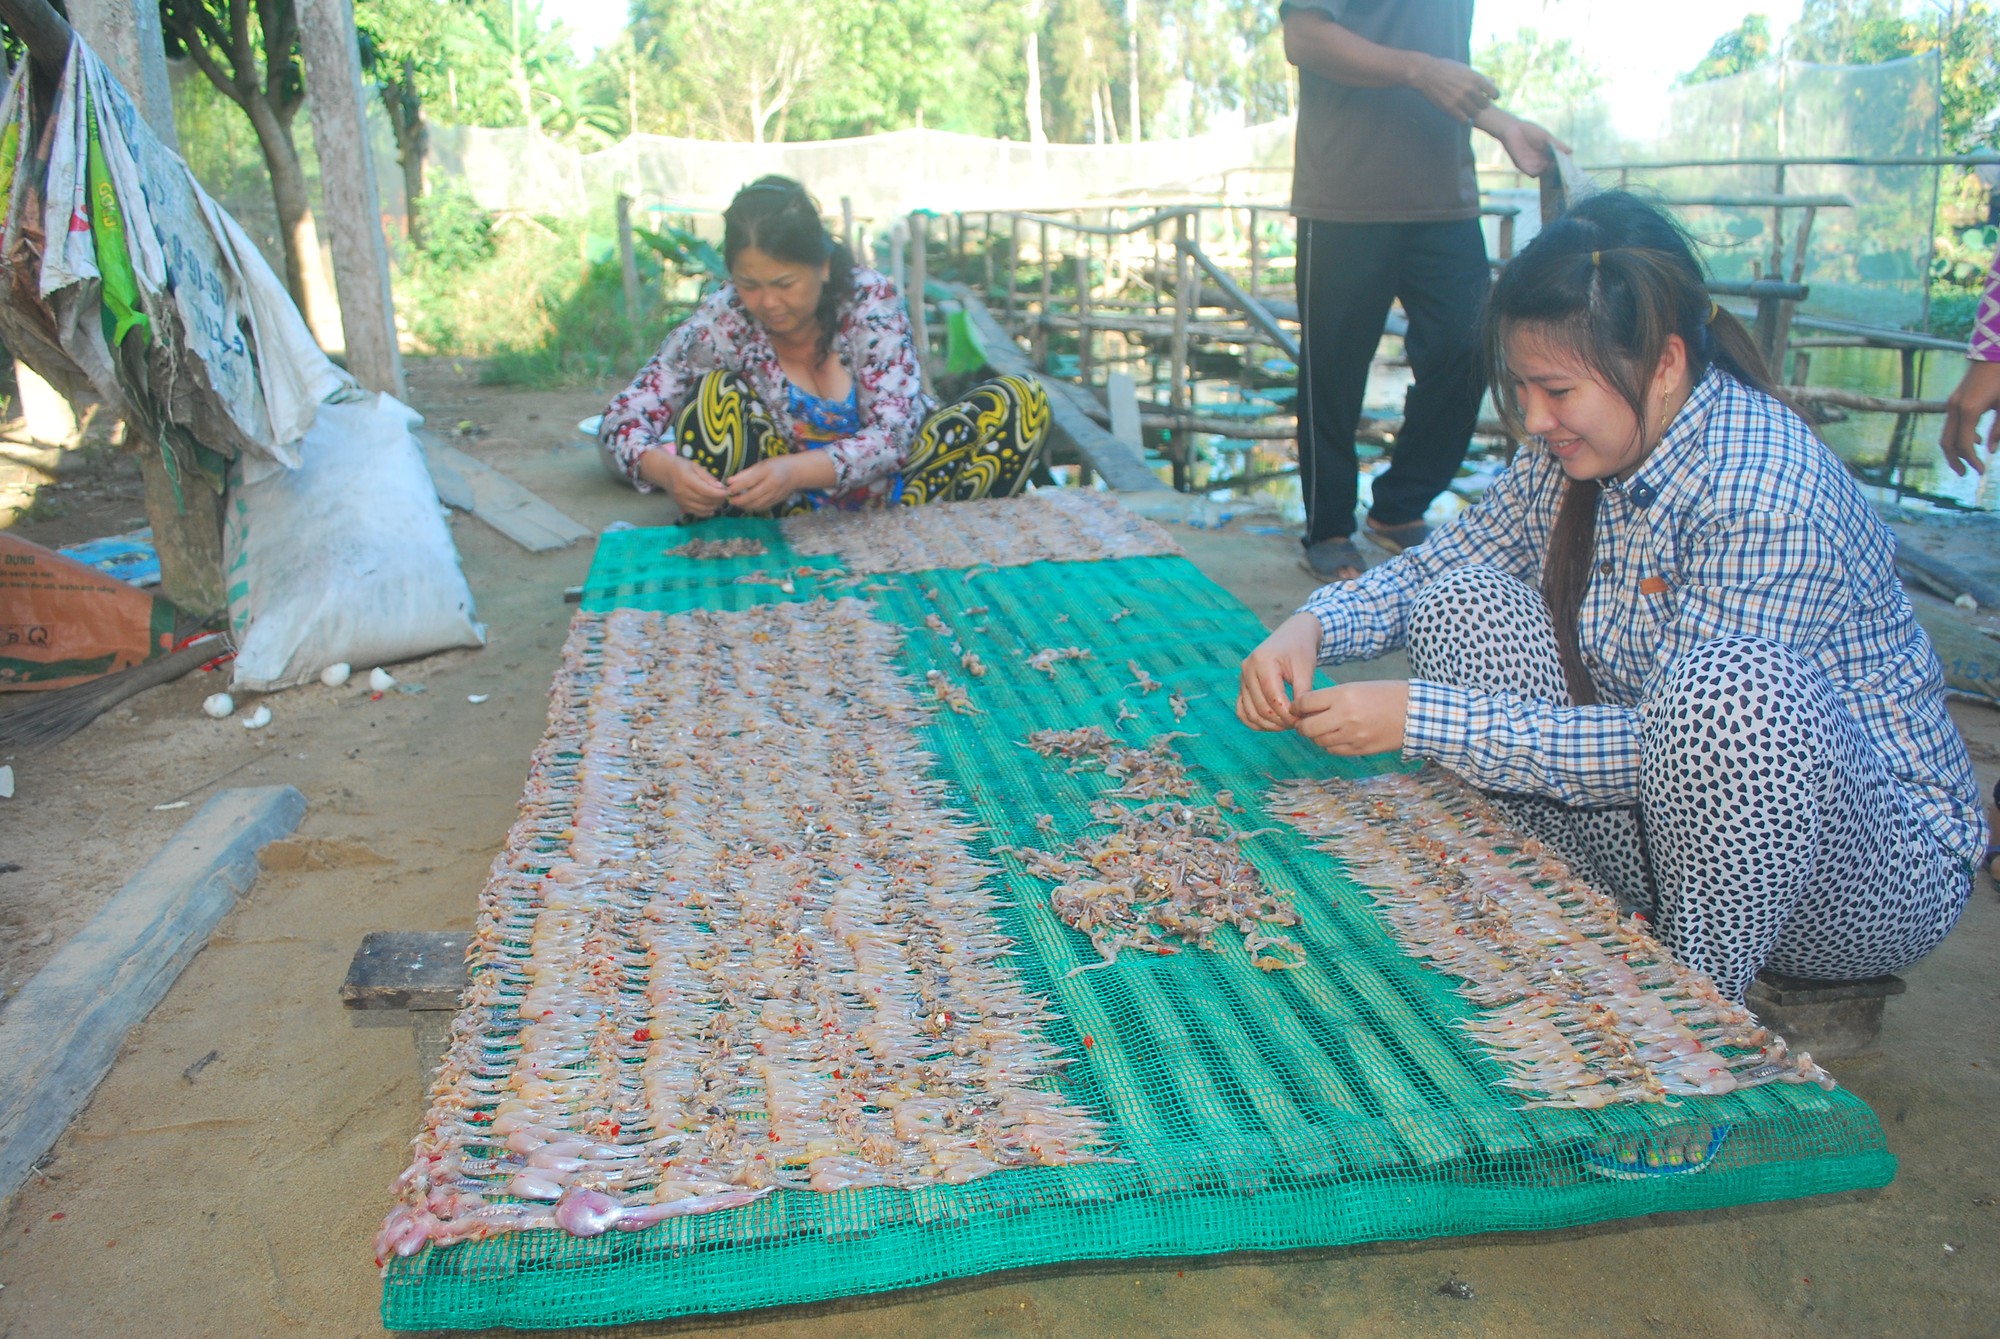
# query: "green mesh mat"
1332,1104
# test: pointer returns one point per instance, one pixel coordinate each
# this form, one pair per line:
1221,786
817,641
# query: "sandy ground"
227,1177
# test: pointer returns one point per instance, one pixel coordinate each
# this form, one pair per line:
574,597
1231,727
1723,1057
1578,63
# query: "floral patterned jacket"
873,343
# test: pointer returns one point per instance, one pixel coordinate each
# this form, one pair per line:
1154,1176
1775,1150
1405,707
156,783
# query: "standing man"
1388,208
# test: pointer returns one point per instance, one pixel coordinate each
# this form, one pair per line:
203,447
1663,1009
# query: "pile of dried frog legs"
1169,873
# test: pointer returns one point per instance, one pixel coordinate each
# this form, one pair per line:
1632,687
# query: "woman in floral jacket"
796,386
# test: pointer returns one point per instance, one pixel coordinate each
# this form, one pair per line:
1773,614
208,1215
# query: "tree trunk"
1132,104
353,206
413,141
410,153
288,194
187,528
525,90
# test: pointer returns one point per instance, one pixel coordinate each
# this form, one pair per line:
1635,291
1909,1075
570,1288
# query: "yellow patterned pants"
984,444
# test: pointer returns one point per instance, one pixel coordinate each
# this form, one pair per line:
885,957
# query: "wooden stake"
986,250
920,242
1256,256
1013,266
1185,296
1084,332
1048,291
628,261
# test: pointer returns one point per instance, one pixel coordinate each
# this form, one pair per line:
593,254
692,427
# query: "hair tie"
1714,310
1595,256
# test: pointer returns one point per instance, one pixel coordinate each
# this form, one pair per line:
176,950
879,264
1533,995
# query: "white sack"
346,558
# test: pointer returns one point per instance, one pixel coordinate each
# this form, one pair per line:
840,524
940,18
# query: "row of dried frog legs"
737,940
1584,1008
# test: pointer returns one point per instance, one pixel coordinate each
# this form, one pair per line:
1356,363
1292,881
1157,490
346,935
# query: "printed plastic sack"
63,623
346,558
129,226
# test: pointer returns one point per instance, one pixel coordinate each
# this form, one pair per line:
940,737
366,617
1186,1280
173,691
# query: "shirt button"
1605,567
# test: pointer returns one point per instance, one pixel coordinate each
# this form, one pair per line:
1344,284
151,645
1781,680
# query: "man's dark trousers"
1348,274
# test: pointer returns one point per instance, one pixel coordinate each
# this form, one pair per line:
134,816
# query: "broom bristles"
56,715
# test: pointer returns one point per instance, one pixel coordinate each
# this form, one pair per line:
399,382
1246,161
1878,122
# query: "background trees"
1964,33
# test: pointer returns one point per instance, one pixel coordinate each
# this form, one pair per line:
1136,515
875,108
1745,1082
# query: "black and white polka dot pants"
1769,831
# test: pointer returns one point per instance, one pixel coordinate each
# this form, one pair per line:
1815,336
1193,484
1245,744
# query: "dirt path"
239,1196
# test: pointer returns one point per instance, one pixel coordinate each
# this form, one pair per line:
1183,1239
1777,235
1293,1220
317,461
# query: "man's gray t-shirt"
1385,155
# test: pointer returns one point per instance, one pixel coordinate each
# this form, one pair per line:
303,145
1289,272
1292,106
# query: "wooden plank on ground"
474,486
1120,464
407,969
59,1036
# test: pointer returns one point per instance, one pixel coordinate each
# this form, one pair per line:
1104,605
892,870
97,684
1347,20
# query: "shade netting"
1338,1101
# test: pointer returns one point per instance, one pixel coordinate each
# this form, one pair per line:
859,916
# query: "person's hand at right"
1278,672
1978,392
698,493
1458,90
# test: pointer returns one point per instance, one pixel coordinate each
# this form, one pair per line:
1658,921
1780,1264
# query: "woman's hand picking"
1356,719
771,481
1277,673
698,493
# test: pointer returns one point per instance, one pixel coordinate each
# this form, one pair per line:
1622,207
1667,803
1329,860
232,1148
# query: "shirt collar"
1673,458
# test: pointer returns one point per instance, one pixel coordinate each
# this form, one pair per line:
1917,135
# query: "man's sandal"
1396,538
1333,559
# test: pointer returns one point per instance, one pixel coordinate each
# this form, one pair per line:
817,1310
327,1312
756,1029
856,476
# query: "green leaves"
686,252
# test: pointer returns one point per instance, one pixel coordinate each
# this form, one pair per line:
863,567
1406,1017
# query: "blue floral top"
817,421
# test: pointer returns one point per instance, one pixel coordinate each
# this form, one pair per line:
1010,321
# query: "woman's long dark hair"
778,217
1609,282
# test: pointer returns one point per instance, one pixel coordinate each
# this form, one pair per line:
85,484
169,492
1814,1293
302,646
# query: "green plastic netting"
1336,1103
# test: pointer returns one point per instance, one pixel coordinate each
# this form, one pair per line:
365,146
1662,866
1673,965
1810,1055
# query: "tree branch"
194,43
242,51
43,31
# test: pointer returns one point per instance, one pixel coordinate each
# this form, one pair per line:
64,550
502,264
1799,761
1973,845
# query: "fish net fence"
1867,259
870,923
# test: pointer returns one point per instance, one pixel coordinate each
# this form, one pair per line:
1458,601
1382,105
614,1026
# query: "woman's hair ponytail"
777,216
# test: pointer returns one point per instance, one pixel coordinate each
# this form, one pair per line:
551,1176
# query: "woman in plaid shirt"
1670,639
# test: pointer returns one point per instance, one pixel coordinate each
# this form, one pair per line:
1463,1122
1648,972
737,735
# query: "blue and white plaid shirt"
1740,523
